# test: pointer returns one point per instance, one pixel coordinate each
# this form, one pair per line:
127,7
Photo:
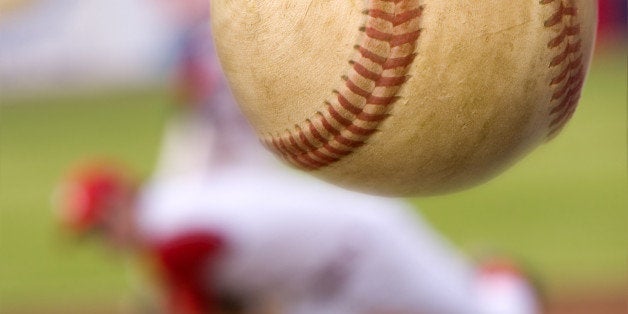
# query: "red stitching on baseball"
347,105
568,83
337,116
573,65
397,19
317,135
368,91
294,144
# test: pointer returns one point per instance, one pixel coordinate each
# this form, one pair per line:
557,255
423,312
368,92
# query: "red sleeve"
184,263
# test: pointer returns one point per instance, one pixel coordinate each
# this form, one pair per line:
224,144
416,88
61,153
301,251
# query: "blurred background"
91,77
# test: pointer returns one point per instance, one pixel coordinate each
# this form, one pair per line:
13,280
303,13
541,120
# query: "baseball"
405,97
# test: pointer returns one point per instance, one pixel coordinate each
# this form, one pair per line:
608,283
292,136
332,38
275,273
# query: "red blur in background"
612,25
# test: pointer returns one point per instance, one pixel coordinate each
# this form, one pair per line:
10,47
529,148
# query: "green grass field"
563,209
39,139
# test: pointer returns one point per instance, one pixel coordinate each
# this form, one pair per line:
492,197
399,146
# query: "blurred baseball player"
229,230
244,238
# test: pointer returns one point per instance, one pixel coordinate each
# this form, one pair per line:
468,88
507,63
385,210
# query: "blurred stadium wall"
69,45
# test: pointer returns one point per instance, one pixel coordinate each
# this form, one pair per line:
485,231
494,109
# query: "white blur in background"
47,45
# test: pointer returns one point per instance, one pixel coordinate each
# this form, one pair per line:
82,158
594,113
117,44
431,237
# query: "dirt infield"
590,302
581,302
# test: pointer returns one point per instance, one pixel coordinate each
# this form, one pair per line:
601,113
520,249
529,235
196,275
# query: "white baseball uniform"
318,248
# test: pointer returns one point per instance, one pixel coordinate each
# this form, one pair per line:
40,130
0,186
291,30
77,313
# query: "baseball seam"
384,55
567,85
364,100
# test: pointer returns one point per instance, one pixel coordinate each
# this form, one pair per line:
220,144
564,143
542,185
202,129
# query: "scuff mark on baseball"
405,97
